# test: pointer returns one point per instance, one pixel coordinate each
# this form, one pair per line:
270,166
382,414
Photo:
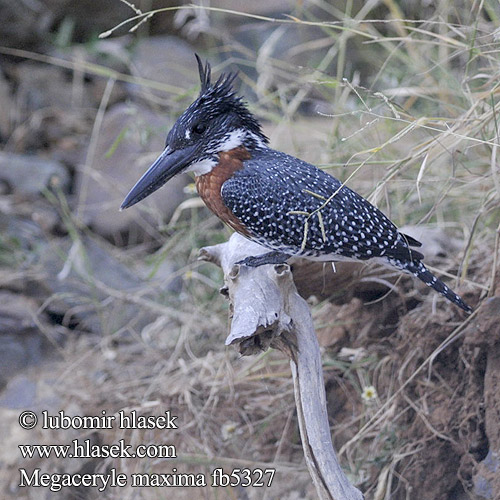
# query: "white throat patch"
231,141
201,167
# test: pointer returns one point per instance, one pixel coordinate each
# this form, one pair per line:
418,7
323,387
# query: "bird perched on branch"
285,204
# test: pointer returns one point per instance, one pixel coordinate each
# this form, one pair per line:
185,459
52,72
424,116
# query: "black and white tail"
420,271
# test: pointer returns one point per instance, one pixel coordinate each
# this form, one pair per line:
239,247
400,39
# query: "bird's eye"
199,128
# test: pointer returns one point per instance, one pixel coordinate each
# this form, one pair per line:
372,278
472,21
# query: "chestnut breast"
209,185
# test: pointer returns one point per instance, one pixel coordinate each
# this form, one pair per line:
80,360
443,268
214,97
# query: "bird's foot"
266,258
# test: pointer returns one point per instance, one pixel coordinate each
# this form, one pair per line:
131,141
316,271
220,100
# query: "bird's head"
217,121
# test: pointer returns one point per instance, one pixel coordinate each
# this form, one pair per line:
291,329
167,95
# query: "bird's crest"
222,87
205,73
219,98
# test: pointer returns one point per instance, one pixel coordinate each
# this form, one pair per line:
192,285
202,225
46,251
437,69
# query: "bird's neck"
245,138
209,185
239,145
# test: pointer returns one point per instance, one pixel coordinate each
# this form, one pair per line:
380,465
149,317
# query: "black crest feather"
220,97
222,87
205,73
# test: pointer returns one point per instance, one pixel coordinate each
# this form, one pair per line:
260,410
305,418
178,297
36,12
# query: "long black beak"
169,163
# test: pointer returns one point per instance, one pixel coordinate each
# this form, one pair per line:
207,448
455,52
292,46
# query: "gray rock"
168,60
92,288
21,342
130,139
436,244
18,236
19,393
30,175
26,26
90,16
487,476
44,86
33,23
17,313
36,390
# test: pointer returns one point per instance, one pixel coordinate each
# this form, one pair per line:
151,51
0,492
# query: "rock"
130,139
89,17
486,482
43,86
55,107
36,390
11,431
30,175
21,342
19,393
24,27
39,21
18,235
17,313
436,244
81,277
168,60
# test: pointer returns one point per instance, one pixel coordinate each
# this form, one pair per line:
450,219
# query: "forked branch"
267,311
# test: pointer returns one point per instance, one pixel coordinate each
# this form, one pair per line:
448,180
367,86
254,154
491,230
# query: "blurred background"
108,310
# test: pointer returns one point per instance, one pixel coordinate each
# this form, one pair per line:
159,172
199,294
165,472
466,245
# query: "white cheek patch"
201,167
233,140
187,135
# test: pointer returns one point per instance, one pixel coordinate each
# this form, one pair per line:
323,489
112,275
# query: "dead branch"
267,311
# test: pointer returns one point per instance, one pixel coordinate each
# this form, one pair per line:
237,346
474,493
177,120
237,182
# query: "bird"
292,208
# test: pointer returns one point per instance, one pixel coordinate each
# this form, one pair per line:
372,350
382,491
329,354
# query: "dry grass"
419,137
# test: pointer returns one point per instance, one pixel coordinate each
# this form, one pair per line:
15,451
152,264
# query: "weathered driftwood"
267,311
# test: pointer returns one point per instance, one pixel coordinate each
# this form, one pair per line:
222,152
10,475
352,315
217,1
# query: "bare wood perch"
267,311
